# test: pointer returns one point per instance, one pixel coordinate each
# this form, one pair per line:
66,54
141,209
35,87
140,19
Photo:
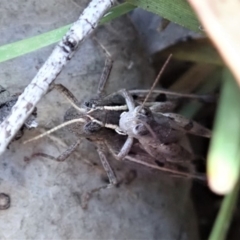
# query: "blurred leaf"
195,50
220,20
211,83
223,159
177,11
117,11
225,214
198,72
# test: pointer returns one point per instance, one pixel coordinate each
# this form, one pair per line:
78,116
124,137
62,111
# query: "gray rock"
47,196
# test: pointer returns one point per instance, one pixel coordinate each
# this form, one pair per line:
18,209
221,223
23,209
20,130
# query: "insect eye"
88,104
137,128
143,111
135,97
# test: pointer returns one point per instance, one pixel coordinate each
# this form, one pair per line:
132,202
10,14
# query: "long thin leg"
128,143
110,173
137,159
62,89
63,156
69,96
125,149
128,98
105,75
204,97
106,71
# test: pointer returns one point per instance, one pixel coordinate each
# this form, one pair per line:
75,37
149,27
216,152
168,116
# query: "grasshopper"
98,122
94,124
159,133
105,122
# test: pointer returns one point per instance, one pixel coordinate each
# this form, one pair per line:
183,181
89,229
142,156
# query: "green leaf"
16,49
223,159
28,45
117,11
225,214
177,11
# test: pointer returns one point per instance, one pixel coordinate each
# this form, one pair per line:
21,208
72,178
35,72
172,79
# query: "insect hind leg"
110,173
61,158
106,70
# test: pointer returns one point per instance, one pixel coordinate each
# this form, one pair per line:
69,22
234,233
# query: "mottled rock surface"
47,196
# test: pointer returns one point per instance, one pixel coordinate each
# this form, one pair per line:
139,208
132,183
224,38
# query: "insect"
157,133
7,101
104,121
98,126
94,124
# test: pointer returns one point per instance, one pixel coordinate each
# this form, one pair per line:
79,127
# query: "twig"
61,54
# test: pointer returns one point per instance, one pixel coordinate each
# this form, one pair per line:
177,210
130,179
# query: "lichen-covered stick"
61,54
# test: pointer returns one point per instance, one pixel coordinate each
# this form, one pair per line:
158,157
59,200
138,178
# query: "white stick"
61,54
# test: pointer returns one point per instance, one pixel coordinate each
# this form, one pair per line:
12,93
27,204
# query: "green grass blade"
28,45
117,11
16,49
177,11
221,225
223,159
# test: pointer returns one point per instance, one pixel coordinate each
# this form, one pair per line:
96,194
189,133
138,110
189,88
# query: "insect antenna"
156,81
131,105
148,95
55,129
